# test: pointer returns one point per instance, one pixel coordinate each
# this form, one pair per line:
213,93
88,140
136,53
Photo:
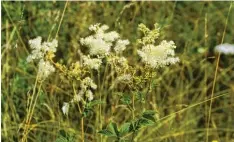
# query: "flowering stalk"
105,48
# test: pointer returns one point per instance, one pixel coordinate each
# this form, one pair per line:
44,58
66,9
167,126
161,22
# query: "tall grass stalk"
215,76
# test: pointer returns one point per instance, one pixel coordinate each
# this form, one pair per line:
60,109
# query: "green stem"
133,134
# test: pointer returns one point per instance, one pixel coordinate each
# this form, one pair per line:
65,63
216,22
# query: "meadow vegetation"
116,71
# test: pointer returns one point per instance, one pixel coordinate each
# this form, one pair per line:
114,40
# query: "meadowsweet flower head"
44,69
97,46
91,63
158,56
120,46
78,97
40,49
35,43
88,82
225,48
65,108
110,36
101,41
94,27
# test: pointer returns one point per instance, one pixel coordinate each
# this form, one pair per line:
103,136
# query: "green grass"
180,94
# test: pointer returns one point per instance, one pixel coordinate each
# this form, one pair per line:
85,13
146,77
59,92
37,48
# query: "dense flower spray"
105,48
153,55
39,51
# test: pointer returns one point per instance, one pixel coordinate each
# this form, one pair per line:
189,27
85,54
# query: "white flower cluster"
120,46
158,56
39,51
91,63
225,48
44,69
86,85
101,42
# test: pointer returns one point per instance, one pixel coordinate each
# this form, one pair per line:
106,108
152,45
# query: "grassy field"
176,99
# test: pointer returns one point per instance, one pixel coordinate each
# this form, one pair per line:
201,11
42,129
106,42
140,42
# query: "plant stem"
133,134
133,106
215,78
100,106
82,123
82,128
31,110
61,19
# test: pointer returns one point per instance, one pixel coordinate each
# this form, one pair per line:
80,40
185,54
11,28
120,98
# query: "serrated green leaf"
145,122
125,128
134,126
149,117
106,132
113,128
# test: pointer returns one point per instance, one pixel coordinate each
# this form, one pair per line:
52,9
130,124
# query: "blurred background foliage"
195,27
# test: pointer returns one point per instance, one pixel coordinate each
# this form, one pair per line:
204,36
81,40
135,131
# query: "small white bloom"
110,36
35,43
101,41
88,82
65,108
158,56
94,27
104,28
91,63
50,46
89,95
39,49
120,45
44,69
225,48
97,46
77,98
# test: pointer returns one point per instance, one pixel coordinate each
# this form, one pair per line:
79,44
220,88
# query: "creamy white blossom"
94,27
91,63
225,48
158,56
65,108
110,36
88,82
120,45
39,49
97,46
89,95
44,69
101,41
77,98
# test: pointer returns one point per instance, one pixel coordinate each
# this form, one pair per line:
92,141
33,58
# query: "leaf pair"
113,131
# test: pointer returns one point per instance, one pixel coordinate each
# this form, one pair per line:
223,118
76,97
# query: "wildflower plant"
102,61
